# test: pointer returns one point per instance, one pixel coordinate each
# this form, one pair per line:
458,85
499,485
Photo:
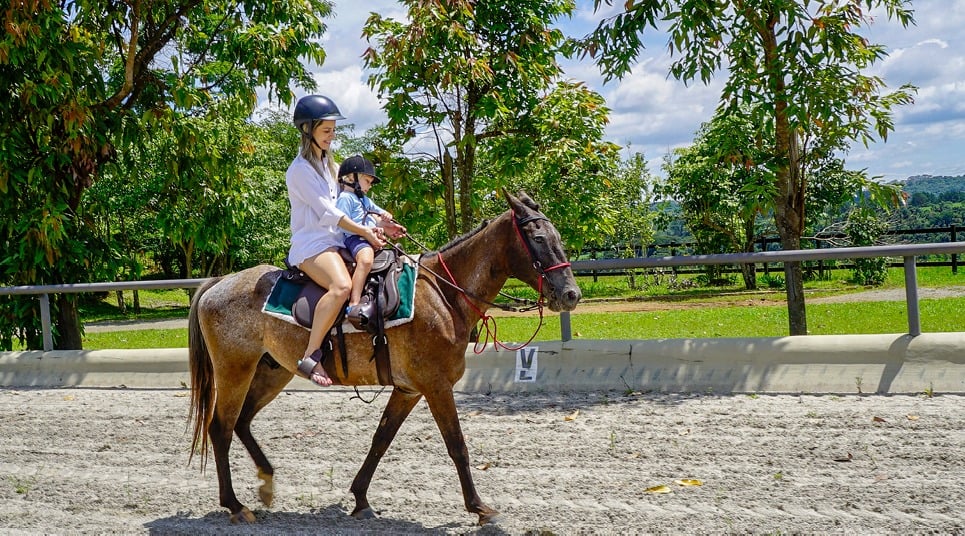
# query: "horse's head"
544,265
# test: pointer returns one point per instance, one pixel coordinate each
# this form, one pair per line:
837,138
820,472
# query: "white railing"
909,252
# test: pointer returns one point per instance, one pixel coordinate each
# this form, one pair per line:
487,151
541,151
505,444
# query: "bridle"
488,322
518,223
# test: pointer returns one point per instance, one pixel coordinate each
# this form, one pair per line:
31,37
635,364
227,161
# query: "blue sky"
654,114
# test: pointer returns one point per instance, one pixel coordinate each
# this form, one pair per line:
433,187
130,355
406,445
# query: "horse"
241,359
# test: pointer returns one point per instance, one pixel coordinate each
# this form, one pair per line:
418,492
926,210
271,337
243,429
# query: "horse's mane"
462,238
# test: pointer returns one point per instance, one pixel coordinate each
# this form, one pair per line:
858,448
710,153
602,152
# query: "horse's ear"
518,203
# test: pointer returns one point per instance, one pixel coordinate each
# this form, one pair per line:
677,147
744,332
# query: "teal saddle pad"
285,292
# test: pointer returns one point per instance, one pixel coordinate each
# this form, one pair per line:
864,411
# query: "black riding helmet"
312,108
354,165
358,164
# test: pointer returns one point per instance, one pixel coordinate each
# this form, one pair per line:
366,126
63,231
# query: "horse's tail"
202,378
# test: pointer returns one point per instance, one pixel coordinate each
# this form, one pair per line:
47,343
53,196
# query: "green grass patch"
137,338
758,321
154,304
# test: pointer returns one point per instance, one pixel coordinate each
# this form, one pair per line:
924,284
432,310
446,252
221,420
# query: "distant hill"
933,185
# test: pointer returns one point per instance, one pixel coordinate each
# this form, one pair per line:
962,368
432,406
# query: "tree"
722,184
799,63
81,79
457,74
560,153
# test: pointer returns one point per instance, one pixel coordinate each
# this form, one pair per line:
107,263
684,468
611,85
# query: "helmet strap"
311,134
358,186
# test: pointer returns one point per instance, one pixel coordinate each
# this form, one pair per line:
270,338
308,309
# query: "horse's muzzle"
565,299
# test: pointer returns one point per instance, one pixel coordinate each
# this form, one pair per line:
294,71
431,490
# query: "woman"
316,223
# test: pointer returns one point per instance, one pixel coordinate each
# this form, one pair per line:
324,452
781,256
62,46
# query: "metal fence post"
911,296
954,255
565,330
45,322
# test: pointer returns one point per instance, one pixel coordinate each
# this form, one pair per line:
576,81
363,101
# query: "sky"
653,113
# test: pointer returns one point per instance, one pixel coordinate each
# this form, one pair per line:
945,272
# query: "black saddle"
380,296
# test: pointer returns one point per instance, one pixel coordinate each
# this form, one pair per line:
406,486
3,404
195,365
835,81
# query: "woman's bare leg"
328,270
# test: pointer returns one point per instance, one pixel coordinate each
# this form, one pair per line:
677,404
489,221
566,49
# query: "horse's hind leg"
264,388
232,392
443,408
399,406
220,443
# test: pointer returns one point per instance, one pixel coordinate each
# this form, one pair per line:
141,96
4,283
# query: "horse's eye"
539,239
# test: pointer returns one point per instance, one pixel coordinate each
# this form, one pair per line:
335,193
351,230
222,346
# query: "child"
357,175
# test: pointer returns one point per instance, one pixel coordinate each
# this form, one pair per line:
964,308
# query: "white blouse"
314,216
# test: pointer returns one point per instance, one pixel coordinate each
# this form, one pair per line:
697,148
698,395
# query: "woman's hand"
374,236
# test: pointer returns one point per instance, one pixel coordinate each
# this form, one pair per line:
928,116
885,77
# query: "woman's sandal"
306,366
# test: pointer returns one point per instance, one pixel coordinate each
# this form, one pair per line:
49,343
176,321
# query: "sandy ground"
114,461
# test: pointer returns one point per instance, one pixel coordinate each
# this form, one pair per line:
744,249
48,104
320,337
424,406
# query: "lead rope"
489,322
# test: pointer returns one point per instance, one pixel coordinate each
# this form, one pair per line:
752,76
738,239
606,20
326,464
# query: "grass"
709,321
759,321
138,338
155,304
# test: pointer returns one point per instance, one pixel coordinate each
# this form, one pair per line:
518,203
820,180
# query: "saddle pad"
284,293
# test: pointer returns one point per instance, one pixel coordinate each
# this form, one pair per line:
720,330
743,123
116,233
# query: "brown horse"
228,336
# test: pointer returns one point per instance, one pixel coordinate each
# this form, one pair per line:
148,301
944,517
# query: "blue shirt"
360,210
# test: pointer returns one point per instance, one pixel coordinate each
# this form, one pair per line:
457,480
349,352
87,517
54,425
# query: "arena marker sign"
526,364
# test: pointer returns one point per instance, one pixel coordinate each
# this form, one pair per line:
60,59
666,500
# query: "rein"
488,322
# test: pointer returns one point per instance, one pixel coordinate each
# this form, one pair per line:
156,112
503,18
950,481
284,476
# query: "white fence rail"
909,252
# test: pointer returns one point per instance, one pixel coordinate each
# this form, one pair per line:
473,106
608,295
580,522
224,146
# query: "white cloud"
656,114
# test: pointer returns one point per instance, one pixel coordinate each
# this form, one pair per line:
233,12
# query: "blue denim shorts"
354,243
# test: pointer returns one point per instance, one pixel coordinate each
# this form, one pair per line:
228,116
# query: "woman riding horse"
229,338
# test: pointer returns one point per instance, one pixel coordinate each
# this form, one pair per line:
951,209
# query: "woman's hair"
305,150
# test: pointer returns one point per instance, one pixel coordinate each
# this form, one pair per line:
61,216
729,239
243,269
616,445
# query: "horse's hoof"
266,492
491,518
243,516
365,513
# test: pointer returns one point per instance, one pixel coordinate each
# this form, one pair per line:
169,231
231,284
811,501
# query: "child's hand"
392,228
375,236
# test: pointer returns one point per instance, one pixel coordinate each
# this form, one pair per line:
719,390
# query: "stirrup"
307,364
359,315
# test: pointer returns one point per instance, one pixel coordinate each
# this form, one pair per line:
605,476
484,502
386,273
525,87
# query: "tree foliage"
723,185
81,81
799,63
458,74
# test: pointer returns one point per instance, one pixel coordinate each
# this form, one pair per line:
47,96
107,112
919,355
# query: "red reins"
488,322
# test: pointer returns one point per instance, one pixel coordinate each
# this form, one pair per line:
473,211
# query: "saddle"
380,295
380,302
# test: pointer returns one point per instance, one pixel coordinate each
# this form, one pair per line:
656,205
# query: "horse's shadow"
332,519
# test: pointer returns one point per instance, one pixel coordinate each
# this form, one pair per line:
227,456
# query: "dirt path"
114,461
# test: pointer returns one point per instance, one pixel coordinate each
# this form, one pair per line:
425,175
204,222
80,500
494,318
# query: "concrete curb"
890,363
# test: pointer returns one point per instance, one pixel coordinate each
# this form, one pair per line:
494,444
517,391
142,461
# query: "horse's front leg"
399,406
443,408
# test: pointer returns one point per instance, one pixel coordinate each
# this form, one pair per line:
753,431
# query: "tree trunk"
465,164
796,311
788,222
749,270
448,179
789,191
68,324
749,273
